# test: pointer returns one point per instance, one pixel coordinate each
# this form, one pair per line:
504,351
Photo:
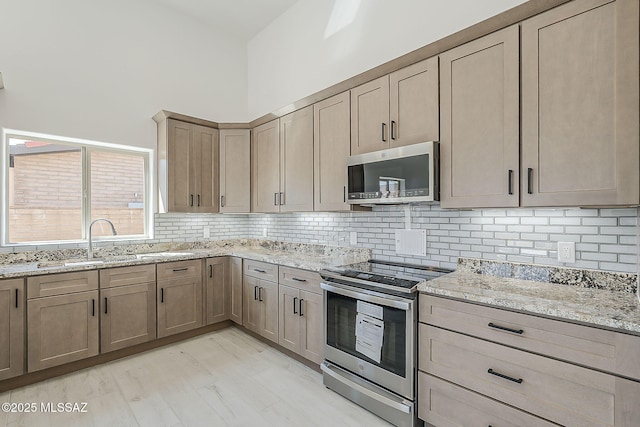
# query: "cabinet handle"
298,280
384,128
191,202
275,199
300,307
175,270
294,305
258,270
105,305
502,328
93,307
393,130
281,199
161,294
198,200
530,180
210,270
255,293
260,293
510,183
17,296
506,377
344,194
222,201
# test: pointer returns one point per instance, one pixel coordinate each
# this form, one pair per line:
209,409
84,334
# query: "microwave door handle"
387,301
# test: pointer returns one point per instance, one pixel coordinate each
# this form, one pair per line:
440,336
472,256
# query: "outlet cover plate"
567,252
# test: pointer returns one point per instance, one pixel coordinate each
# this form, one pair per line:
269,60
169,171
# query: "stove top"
383,275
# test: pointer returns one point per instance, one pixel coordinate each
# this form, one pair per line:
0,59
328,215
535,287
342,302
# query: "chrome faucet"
90,248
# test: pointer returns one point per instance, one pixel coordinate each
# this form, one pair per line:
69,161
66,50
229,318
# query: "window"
55,187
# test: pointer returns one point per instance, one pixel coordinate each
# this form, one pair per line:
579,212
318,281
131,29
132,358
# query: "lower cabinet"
261,307
235,305
179,296
62,329
301,313
12,303
491,378
217,289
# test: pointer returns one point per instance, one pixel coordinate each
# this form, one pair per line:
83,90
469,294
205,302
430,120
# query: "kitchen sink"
162,254
77,262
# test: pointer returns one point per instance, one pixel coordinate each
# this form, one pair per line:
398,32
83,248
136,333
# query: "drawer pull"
175,270
502,328
298,280
259,271
506,377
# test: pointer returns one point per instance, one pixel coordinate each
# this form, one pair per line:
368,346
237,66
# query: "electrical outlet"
264,232
207,232
353,238
567,252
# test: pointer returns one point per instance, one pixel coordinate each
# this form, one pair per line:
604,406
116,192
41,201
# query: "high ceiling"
241,19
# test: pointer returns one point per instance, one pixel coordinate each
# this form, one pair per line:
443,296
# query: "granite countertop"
305,256
614,309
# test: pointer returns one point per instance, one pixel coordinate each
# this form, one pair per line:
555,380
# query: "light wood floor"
222,378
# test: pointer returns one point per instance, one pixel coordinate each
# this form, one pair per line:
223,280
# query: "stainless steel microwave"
397,175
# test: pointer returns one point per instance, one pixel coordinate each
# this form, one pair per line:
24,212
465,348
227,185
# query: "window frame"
87,148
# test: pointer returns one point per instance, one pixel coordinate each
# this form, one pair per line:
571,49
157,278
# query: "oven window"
341,332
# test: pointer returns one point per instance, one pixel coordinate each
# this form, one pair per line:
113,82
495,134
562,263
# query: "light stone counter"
597,307
298,255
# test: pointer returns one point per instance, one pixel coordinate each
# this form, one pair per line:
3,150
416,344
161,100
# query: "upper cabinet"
580,134
332,147
479,148
235,171
580,138
282,164
397,109
187,167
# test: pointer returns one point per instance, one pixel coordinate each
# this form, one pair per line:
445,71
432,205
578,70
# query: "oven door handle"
387,301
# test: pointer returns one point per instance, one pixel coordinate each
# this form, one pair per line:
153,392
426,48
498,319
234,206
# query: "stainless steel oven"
371,337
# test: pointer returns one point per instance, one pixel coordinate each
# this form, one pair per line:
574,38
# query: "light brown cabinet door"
311,326
204,168
180,183
296,161
235,274
12,303
179,305
479,104
218,289
332,147
265,167
127,316
235,170
370,116
268,297
251,306
62,329
289,325
413,100
580,132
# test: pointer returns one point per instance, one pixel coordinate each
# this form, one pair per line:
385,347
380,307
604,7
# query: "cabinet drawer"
554,390
301,279
122,276
598,348
261,270
440,403
172,270
62,283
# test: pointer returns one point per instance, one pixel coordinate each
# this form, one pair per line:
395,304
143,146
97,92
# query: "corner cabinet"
235,305
217,289
580,132
395,110
187,167
235,171
12,310
479,104
282,164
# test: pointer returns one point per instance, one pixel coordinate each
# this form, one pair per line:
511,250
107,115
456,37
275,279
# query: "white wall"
101,69
316,44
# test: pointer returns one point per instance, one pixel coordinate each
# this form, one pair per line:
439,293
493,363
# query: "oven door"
393,367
